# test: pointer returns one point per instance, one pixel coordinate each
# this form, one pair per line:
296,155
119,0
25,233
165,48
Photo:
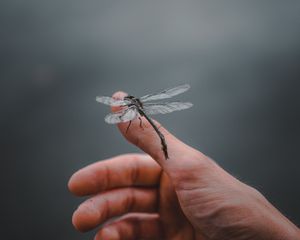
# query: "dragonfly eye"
129,97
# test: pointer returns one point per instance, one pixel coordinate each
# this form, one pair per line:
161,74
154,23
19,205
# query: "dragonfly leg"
128,126
141,123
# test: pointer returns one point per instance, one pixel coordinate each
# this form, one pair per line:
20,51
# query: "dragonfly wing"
111,101
167,93
124,115
164,108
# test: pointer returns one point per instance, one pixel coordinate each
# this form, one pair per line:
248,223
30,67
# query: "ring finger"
116,202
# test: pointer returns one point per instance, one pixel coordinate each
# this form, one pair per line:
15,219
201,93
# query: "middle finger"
116,202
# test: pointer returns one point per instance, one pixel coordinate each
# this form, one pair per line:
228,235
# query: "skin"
188,196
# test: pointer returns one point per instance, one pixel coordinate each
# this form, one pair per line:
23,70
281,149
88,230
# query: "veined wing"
124,115
111,101
163,108
167,93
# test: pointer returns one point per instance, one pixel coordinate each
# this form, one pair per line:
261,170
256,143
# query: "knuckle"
129,200
192,172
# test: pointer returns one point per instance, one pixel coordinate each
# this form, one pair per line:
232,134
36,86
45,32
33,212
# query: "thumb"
181,156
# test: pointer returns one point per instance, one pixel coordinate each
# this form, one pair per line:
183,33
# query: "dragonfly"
133,108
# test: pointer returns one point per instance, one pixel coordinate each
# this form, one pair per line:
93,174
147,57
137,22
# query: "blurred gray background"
242,59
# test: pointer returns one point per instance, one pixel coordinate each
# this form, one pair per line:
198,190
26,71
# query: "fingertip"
71,183
76,184
75,221
85,218
108,233
83,182
119,95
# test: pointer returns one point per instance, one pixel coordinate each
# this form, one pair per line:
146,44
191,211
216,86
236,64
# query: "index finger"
121,171
181,156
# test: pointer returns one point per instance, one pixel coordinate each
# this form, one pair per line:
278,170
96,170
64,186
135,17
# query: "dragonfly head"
129,97
134,101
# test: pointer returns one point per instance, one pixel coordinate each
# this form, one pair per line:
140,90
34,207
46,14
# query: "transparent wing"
124,115
111,101
164,108
167,93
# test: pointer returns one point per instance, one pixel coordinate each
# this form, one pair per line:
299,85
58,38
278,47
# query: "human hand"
187,196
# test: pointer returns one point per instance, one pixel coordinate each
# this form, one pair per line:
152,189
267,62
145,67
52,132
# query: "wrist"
273,223
285,230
